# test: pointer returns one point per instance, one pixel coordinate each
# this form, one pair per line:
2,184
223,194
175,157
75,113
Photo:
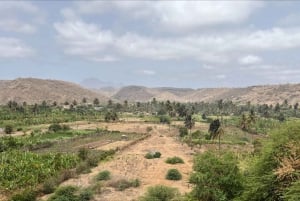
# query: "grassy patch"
123,184
103,175
173,174
174,160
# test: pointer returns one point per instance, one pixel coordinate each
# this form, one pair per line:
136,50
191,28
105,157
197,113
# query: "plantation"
238,150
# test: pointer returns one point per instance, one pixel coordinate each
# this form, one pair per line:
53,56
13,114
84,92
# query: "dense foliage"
275,174
216,178
20,169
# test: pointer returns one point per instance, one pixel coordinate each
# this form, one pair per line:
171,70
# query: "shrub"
174,160
149,128
164,119
83,153
151,155
55,127
85,195
183,131
104,175
8,129
27,195
83,168
123,184
161,193
49,186
66,127
65,193
215,177
173,174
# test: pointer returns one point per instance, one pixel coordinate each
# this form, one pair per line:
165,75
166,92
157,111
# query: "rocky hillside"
269,94
37,90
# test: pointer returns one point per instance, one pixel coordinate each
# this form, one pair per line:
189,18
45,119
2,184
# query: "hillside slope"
269,94
34,90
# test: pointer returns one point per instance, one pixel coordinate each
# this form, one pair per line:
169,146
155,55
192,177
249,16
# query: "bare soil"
131,164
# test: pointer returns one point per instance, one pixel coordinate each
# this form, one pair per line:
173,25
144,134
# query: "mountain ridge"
33,90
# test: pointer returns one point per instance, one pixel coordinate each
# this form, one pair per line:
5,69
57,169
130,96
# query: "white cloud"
20,17
250,60
16,26
148,72
176,15
88,39
106,58
14,48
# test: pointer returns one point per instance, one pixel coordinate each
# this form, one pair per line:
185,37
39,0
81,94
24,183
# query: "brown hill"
269,94
34,90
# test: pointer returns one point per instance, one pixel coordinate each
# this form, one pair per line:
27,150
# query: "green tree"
8,129
216,178
276,169
96,101
189,122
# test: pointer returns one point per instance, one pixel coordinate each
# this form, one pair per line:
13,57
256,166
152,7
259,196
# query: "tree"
189,122
8,129
84,100
275,171
244,122
96,101
216,130
216,178
111,116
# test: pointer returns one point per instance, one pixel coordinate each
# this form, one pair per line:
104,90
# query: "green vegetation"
215,177
20,169
275,173
8,129
103,175
123,184
161,193
173,174
71,193
40,157
151,155
174,160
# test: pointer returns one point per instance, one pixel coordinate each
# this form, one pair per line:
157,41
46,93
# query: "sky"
193,44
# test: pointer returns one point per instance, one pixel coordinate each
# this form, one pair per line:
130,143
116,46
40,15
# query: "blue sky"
160,43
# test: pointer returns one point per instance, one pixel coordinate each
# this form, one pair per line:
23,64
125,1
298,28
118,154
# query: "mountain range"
34,90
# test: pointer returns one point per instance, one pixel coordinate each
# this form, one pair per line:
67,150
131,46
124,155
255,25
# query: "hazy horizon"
194,44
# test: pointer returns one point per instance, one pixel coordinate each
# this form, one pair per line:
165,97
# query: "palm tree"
189,122
216,130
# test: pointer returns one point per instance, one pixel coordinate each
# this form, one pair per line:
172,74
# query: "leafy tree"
96,101
244,122
8,129
84,100
213,128
275,173
189,122
111,116
215,178
281,117
165,119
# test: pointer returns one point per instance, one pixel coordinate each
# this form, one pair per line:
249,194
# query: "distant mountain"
269,94
34,90
37,90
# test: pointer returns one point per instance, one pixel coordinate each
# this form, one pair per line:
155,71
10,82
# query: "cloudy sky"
159,43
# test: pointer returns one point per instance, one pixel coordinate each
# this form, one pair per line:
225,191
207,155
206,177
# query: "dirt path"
131,164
